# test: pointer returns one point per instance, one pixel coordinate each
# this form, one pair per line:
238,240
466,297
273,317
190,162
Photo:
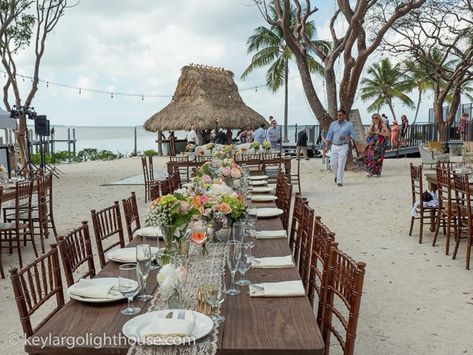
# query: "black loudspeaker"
41,126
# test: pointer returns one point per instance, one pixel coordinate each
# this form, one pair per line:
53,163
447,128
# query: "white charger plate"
258,177
266,212
258,182
133,329
130,254
261,189
263,198
148,232
108,281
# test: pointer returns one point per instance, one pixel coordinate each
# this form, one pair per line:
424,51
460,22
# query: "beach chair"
76,250
431,158
344,284
34,285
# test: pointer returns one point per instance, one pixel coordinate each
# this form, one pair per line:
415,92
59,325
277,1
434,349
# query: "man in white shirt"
192,136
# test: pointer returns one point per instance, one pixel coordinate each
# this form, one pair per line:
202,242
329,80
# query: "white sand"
416,300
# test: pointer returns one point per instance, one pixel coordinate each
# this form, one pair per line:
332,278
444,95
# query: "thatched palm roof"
204,96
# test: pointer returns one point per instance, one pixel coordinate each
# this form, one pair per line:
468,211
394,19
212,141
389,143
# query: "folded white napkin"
278,289
93,288
271,234
274,262
148,232
127,255
170,327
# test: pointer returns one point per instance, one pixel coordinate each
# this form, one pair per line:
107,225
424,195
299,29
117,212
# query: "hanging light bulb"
80,91
47,84
142,97
256,89
111,95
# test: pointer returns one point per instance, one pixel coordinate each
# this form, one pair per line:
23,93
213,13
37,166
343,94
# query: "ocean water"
121,139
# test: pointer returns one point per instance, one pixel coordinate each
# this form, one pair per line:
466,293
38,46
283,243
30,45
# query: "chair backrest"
174,182
345,283
202,158
321,244
285,203
107,223
306,236
147,163
23,197
132,217
416,185
299,202
76,249
463,201
179,159
444,186
36,283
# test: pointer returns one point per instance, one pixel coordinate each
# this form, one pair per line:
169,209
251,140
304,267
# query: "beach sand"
416,300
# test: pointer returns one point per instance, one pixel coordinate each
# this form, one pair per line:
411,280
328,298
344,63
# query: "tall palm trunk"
419,98
390,103
286,97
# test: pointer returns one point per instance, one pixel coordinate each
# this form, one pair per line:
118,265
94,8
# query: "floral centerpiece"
221,168
255,145
172,213
266,145
221,210
224,152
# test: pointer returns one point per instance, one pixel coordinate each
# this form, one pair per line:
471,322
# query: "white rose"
166,288
166,271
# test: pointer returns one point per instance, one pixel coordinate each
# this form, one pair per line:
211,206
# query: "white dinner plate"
127,255
148,232
258,177
263,198
258,182
133,329
264,189
109,281
266,212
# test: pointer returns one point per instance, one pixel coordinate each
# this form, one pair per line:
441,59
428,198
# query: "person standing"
462,126
229,136
272,134
260,134
338,138
395,135
192,136
249,134
302,143
404,127
221,137
373,156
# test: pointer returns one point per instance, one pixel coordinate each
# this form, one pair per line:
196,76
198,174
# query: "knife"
169,315
181,315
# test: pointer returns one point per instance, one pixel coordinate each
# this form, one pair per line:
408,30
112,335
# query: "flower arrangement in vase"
266,145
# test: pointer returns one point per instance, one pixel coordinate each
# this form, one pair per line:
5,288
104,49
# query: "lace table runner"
200,269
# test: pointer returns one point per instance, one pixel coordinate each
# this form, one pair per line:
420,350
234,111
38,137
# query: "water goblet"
129,286
153,242
214,294
143,265
238,231
233,260
245,264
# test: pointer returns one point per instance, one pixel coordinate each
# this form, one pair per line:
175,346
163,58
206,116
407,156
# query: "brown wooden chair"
344,283
253,161
201,159
285,203
296,178
447,211
426,215
107,223
132,217
148,174
299,202
184,166
19,223
464,214
306,236
272,164
76,250
35,284
174,182
322,241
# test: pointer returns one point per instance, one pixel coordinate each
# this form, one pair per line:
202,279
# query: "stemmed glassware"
143,265
245,264
233,261
129,286
180,263
238,231
215,295
250,229
153,242
198,232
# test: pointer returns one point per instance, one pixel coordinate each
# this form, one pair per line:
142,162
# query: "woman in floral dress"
373,155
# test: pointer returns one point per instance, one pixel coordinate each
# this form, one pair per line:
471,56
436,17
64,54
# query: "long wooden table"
252,325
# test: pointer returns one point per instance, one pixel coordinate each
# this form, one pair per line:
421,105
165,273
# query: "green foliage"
150,153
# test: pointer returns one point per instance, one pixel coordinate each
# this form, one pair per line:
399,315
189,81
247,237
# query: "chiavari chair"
132,217
76,250
464,214
35,284
201,159
306,236
446,214
299,202
19,223
184,165
322,241
296,178
345,285
271,165
107,223
148,174
174,182
425,215
285,203
253,161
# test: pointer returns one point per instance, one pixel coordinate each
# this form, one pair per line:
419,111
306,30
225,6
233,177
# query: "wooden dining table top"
283,325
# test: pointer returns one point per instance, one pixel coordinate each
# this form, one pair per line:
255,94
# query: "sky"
140,46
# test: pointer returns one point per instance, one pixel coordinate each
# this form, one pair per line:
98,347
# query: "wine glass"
214,294
238,231
180,264
129,286
198,232
233,260
153,242
143,265
244,264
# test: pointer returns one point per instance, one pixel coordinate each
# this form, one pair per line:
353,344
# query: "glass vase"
170,248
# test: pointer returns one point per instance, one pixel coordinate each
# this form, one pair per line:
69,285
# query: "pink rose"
206,179
204,199
226,171
235,173
224,208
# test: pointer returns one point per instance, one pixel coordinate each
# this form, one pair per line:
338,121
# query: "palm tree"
271,49
386,82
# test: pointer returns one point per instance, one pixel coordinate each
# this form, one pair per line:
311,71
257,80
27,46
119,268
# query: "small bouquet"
172,209
255,145
266,145
224,152
189,147
238,208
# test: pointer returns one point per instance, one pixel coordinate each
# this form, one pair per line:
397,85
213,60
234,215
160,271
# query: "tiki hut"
207,97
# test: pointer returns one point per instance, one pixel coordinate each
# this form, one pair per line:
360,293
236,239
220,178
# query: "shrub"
150,153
